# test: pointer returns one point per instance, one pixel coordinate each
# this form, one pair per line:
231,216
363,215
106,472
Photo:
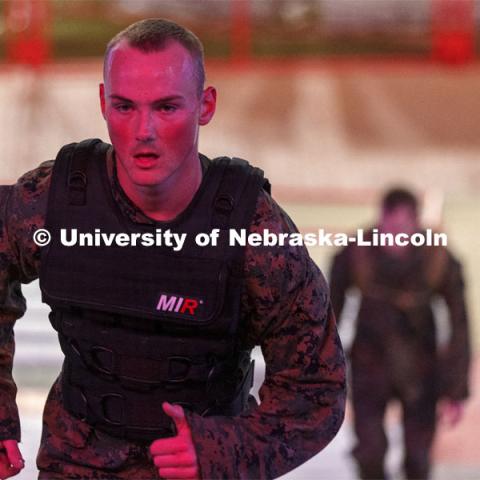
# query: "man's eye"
122,107
168,108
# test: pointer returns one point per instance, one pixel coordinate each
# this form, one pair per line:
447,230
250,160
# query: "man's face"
153,110
401,219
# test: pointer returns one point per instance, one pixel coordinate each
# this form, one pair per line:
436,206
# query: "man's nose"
145,129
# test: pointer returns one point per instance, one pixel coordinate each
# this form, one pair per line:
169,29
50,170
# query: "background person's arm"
340,280
456,355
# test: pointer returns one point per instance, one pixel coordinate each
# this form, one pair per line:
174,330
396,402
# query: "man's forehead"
402,210
172,58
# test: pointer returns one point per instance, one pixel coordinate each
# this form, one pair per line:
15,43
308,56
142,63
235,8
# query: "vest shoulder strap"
74,157
256,172
237,194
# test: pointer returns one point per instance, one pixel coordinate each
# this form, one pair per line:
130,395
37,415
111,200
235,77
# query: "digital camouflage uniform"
285,309
394,354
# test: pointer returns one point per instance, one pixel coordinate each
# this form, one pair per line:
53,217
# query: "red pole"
453,30
27,31
241,31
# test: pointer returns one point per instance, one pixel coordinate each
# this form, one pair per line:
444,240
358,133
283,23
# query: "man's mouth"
145,159
146,155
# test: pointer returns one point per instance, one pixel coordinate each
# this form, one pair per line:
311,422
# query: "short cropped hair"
154,34
399,197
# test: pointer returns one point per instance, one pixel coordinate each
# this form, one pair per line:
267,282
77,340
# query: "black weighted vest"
141,325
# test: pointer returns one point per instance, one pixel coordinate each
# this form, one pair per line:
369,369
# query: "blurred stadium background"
335,99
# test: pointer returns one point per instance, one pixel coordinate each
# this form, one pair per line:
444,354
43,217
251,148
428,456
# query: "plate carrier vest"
141,325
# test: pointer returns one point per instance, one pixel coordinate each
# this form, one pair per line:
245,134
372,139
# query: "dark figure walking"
394,353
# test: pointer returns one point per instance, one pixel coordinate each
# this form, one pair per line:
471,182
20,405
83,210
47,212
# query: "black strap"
234,176
141,373
235,203
77,175
139,416
239,181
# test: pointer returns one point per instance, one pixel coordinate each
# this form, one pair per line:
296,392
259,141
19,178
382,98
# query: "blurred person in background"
157,342
394,355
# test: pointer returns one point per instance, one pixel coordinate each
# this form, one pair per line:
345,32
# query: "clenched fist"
175,457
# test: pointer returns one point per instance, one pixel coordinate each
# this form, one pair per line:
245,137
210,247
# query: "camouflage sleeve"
340,280
455,358
302,399
22,208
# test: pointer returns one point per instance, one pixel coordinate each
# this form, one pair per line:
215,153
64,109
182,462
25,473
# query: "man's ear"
209,104
101,91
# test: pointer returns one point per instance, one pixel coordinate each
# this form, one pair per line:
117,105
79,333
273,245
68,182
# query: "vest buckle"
113,402
102,359
77,180
178,369
77,187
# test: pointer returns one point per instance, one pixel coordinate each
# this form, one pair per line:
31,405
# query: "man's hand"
175,457
11,460
451,412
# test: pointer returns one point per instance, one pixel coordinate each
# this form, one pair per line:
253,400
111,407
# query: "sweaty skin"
153,111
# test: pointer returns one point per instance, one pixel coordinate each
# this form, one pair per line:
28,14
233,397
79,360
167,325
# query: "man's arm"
340,280
22,209
288,313
12,306
455,358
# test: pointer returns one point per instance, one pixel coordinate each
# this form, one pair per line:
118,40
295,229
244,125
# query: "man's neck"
165,204
166,201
